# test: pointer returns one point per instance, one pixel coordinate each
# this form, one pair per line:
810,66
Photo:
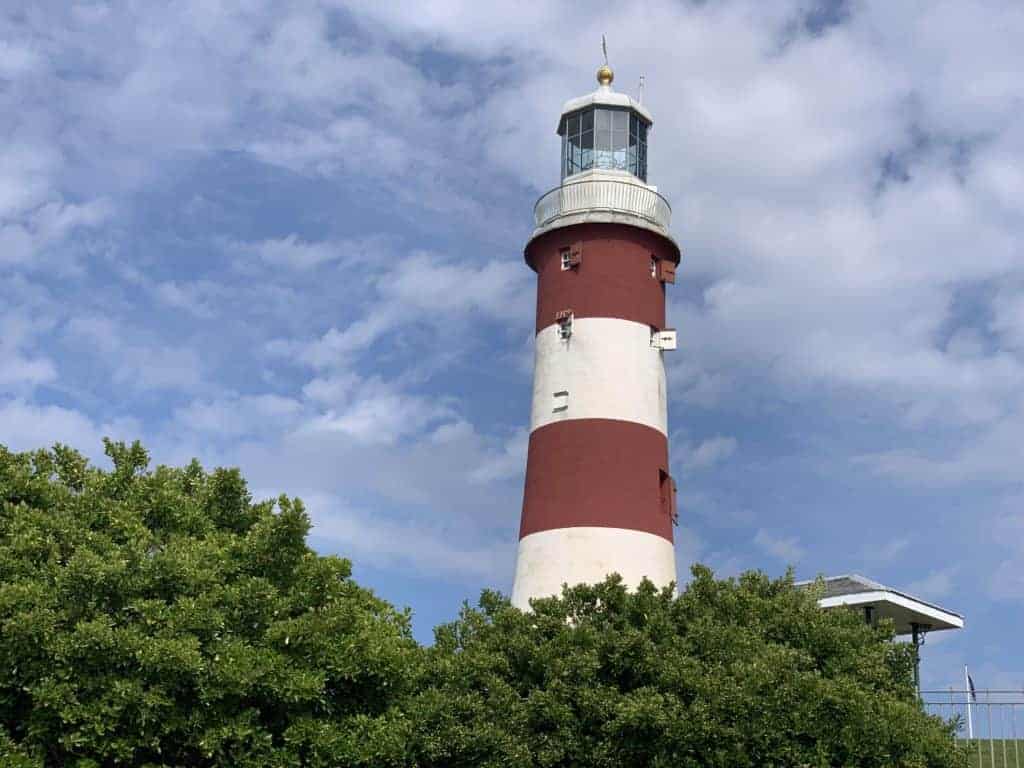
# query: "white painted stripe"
608,369
586,555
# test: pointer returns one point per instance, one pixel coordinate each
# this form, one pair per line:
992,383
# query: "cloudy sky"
289,237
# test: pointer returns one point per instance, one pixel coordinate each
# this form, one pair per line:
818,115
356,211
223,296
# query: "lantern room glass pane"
604,138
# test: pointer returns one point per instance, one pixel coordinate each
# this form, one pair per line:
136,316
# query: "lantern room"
604,130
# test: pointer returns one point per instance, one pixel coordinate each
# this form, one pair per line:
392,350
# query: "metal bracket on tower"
664,339
562,396
564,319
572,257
665,271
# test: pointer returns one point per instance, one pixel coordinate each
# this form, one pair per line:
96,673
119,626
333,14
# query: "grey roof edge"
874,586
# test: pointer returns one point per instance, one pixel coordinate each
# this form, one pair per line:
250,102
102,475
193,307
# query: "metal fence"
990,723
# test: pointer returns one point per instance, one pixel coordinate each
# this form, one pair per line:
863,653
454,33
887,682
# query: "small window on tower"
654,267
566,258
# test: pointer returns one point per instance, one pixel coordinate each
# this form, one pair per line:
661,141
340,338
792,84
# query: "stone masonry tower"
599,498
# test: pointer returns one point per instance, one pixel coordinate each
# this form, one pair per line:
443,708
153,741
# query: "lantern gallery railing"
603,195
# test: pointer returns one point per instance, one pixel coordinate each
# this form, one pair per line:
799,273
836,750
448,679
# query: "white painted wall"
586,555
608,368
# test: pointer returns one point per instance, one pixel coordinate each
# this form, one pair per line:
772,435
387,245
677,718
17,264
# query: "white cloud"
990,456
26,175
1007,581
18,371
708,453
199,298
509,462
428,284
406,544
886,551
378,414
333,389
26,426
420,288
231,417
23,238
295,252
786,548
144,364
16,60
936,585
335,348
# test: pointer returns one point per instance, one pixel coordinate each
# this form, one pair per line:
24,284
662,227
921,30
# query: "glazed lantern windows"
614,139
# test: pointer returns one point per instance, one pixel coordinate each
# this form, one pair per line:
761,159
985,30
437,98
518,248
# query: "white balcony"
596,196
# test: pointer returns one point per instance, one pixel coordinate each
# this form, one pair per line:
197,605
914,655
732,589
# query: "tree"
162,618
746,672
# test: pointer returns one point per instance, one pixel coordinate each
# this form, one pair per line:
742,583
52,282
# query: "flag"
971,694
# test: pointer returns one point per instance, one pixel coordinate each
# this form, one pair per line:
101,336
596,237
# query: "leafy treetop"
161,617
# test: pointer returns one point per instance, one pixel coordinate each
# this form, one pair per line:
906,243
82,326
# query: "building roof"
905,610
604,95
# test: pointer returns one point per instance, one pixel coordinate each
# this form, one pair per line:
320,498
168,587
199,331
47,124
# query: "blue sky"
288,237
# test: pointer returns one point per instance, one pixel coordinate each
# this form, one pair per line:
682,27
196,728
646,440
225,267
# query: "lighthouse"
599,497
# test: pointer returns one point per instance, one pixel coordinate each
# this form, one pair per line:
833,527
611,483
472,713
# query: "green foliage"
746,672
161,617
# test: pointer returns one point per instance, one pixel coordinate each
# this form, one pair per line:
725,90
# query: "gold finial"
604,72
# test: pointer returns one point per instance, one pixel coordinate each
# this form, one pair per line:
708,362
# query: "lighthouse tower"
599,498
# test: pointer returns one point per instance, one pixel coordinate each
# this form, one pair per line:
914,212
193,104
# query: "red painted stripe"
599,472
612,280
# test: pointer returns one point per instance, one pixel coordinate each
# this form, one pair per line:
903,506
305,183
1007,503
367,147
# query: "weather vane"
604,72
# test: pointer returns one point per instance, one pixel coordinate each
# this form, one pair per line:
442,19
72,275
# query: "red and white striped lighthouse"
599,498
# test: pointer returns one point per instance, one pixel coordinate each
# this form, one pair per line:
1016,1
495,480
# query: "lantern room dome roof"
605,96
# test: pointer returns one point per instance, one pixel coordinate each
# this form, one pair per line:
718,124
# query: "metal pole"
1002,731
952,707
915,639
1013,731
991,744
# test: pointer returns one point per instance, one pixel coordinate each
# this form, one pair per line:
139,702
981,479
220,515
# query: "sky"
288,237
